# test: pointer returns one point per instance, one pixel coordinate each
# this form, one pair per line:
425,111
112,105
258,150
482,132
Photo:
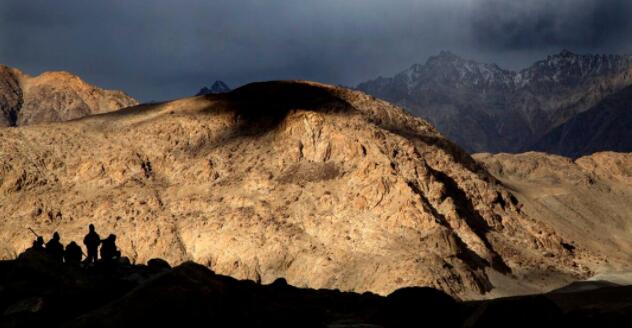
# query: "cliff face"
324,186
52,97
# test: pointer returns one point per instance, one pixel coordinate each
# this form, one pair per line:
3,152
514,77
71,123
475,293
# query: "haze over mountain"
322,185
52,97
483,107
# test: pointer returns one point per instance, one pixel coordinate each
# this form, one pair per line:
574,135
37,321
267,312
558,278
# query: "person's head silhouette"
56,236
91,227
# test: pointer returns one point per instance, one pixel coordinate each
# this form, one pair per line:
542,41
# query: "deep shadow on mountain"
262,106
605,127
36,291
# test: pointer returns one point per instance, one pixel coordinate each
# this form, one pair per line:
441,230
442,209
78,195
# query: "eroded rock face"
52,97
324,186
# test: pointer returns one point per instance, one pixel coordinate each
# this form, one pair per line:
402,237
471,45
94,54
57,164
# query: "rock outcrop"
324,186
52,97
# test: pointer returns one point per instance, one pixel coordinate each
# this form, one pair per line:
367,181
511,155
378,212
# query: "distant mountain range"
485,108
217,87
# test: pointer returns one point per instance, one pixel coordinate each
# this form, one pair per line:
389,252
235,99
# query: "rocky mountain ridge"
483,107
52,97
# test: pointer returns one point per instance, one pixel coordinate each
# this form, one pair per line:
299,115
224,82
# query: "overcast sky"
161,49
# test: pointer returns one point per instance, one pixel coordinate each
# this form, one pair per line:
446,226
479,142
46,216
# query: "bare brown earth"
588,201
52,97
324,186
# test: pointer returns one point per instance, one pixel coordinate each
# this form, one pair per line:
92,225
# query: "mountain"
603,127
52,97
217,87
324,186
588,200
483,107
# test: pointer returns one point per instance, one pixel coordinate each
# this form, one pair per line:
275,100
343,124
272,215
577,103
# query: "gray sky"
161,49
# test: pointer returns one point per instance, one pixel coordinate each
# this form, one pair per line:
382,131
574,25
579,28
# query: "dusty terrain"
52,97
324,186
588,200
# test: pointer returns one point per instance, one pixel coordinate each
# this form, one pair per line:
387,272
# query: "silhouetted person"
72,255
55,249
92,241
108,249
38,244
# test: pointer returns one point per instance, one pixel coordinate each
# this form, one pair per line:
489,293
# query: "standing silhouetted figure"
92,241
38,244
55,249
108,249
73,253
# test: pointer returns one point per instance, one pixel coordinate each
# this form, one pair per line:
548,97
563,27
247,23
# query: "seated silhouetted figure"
108,249
72,255
92,241
55,249
38,244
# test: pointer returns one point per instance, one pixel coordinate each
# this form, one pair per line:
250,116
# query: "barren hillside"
588,200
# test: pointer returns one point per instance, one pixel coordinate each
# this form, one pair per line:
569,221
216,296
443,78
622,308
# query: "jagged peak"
217,87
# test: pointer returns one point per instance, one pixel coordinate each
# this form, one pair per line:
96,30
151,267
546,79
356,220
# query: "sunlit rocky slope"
324,186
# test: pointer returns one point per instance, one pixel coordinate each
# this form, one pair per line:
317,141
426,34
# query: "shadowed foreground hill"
327,187
39,292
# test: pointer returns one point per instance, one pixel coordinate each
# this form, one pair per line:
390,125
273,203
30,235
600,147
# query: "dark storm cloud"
585,24
166,48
